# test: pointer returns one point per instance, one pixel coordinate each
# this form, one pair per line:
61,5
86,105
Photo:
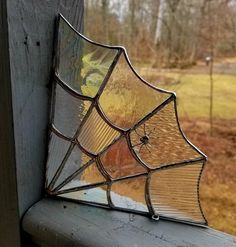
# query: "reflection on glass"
91,175
159,141
126,99
118,160
130,194
174,192
69,112
58,148
96,134
97,194
74,162
82,65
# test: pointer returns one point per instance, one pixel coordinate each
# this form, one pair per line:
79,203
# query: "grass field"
218,186
193,92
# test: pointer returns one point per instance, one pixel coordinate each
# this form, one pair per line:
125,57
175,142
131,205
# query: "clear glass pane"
96,134
130,194
82,65
159,141
174,192
126,99
97,195
74,162
91,175
58,148
119,161
69,112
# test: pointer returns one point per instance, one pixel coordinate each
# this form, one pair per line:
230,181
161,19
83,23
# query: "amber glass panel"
82,65
69,112
96,134
174,192
159,141
74,162
126,99
91,175
58,148
119,161
97,195
129,193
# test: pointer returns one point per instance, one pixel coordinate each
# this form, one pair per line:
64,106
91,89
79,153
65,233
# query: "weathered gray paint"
26,41
31,28
59,223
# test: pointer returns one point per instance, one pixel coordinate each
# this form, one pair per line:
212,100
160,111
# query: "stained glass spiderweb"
115,140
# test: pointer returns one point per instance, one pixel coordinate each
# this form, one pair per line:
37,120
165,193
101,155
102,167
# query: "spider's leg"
149,145
151,131
137,144
144,129
137,133
147,148
140,147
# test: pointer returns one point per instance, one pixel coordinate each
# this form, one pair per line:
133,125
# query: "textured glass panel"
129,193
82,65
58,148
97,194
126,99
174,192
96,134
75,161
119,161
91,175
69,112
159,141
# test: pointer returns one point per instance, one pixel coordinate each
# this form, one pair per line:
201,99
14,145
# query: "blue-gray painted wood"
26,42
31,32
59,223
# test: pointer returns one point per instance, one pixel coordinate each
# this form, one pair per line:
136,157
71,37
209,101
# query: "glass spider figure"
144,139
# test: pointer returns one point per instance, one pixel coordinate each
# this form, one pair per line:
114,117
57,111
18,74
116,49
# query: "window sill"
60,223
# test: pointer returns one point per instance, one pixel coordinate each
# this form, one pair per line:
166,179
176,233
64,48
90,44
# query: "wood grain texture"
59,223
31,29
9,224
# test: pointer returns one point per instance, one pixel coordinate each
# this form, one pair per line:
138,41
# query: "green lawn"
193,94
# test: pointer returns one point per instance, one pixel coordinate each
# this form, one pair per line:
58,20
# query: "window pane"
91,175
126,99
58,148
118,161
74,162
82,65
96,134
97,195
159,141
69,112
174,192
130,194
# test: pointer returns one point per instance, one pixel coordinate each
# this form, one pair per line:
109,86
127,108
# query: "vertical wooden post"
26,45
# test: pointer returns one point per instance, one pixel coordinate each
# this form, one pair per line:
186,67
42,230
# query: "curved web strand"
159,140
126,99
174,192
82,65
